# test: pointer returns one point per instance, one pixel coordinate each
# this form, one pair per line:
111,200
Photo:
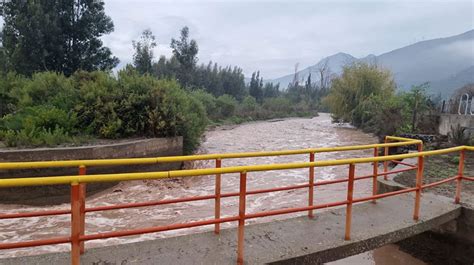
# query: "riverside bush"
226,105
50,109
364,95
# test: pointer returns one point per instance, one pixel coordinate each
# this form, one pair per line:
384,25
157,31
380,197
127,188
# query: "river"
295,133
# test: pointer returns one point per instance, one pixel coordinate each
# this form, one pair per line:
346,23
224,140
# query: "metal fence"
78,209
462,106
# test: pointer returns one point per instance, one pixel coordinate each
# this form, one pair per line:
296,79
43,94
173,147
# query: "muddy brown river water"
295,133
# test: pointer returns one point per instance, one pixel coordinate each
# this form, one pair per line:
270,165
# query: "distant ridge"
446,63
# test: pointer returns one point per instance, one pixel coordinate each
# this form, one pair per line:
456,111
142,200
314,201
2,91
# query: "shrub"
37,126
7,84
53,109
194,123
226,105
99,98
46,88
458,135
208,101
357,82
279,104
248,105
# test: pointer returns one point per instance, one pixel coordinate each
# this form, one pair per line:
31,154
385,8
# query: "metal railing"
79,210
464,105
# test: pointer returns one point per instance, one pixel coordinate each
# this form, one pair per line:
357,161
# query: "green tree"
3,57
357,83
185,51
143,56
418,102
256,87
61,36
271,91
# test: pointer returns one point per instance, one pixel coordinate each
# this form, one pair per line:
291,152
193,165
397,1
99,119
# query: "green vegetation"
49,108
459,135
147,99
56,84
364,95
60,36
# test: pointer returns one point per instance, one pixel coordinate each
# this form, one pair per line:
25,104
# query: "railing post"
242,201
217,202
75,223
460,176
350,192
385,163
419,183
375,173
311,185
82,208
420,147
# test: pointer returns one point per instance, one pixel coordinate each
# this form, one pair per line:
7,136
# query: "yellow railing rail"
170,159
78,208
39,181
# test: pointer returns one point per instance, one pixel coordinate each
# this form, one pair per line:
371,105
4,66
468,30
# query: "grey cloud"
274,35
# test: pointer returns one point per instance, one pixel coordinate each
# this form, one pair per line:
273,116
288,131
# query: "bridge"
363,224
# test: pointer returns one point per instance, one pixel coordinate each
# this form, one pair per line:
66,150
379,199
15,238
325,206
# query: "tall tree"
271,91
418,102
62,36
256,87
3,58
356,86
143,56
185,51
308,85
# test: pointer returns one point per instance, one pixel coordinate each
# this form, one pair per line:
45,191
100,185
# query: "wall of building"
448,120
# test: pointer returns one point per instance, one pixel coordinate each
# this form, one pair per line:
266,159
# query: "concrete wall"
60,193
450,242
448,120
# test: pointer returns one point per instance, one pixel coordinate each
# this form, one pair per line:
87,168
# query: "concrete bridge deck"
292,241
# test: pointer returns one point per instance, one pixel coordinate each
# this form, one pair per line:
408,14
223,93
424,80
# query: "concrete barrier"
60,193
454,238
448,120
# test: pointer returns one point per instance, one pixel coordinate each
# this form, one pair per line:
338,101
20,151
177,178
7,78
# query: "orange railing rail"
78,208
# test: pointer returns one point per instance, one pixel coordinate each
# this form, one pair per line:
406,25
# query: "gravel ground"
441,167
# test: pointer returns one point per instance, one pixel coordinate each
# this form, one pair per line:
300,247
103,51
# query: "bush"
249,105
36,137
364,96
357,83
207,100
7,83
52,109
226,105
99,98
47,88
459,136
279,105
38,126
193,124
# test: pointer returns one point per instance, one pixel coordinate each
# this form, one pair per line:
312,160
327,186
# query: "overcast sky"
271,36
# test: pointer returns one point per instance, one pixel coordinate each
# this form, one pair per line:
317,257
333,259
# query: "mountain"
446,86
334,62
447,63
430,60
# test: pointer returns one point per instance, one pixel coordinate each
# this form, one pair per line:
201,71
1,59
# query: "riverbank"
234,121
